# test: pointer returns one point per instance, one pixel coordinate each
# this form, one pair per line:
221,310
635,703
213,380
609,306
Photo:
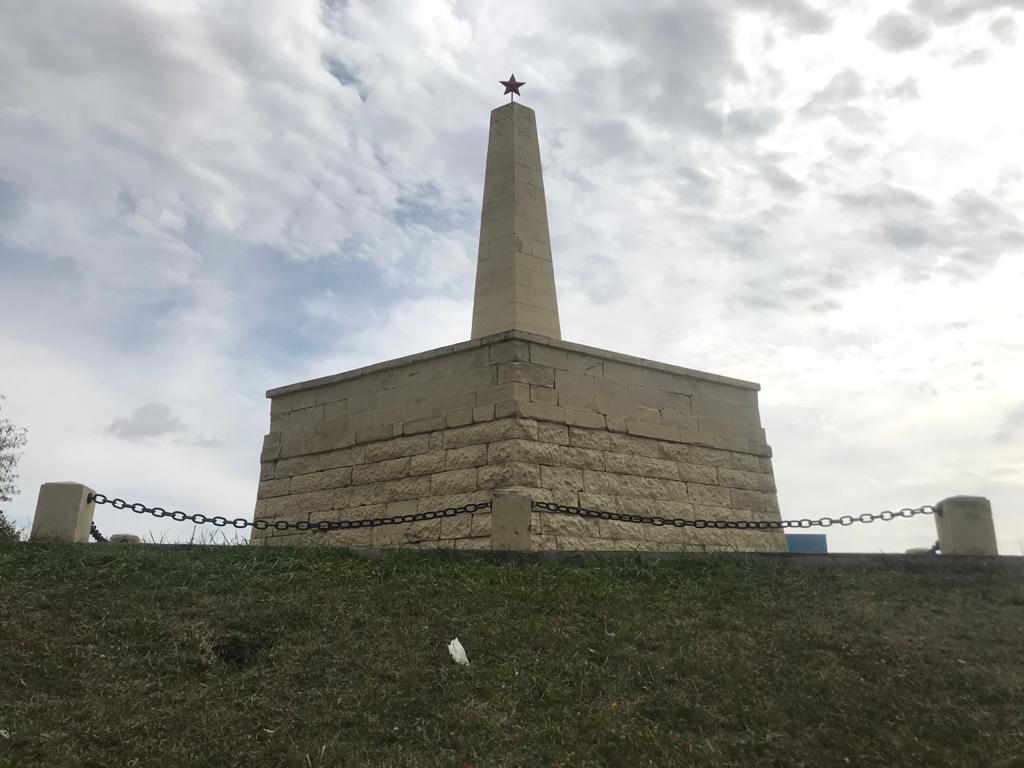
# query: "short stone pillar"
63,513
510,521
965,526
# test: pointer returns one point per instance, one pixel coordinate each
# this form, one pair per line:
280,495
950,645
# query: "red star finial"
512,86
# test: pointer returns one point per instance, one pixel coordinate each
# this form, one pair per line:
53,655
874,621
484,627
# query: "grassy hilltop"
248,656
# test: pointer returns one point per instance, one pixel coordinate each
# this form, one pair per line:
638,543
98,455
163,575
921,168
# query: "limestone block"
561,478
457,527
397,448
641,465
455,481
611,398
483,413
342,498
965,527
305,483
271,447
408,488
299,506
729,393
667,381
554,524
270,488
656,431
424,425
442,405
755,501
63,512
279,422
526,373
483,542
638,446
626,485
381,470
434,503
553,433
267,470
503,392
679,419
625,373
539,543
669,508
334,478
575,390
697,473
373,434
695,454
744,461
510,521
491,431
543,395
767,483
616,529
599,502
540,411
765,465
584,419
722,410
427,463
361,495
299,465
738,478
468,456
529,451
345,457
470,381
307,417
708,494
514,350
509,474
332,435
591,439
482,524
580,458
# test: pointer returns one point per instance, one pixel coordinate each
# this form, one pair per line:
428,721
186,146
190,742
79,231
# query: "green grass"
248,656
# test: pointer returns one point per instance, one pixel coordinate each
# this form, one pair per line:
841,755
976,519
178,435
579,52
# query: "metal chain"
95,533
824,522
284,525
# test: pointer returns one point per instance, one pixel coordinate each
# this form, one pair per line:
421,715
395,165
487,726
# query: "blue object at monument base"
814,543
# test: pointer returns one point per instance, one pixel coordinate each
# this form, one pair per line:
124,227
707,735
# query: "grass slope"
245,656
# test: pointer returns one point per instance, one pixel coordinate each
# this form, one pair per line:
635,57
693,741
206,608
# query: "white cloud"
203,200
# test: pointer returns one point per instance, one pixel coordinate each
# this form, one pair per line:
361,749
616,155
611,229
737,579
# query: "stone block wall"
562,422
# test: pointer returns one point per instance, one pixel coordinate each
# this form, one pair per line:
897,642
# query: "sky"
201,200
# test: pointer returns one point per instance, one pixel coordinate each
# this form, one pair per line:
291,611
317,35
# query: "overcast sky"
204,199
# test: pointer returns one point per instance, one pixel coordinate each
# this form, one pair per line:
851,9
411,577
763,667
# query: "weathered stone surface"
381,470
491,431
305,483
529,451
526,373
346,457
468,456
455,481
737,478
708,494
626,485
641,465
271,488
408,488
360,495
509,474
561,478
427,463
581,458
300,465
553,433
697,473
396,448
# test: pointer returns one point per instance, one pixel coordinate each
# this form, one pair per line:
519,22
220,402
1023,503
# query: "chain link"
284,525
95,533
823,522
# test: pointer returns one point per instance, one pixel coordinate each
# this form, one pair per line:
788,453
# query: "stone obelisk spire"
515,280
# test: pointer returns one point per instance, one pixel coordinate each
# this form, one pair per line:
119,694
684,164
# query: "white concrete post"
965,526
63,513
510,521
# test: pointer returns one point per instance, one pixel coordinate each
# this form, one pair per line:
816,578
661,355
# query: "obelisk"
515,279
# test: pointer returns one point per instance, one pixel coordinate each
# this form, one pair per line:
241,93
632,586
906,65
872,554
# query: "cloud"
896,32
1004,29
973,57
957,11
905,90
148,421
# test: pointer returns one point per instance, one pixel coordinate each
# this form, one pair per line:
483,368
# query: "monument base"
516,412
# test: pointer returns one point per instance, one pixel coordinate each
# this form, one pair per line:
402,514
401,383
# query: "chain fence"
241,523
742,525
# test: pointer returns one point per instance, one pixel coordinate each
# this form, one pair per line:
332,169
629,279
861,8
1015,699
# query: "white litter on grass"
458,652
